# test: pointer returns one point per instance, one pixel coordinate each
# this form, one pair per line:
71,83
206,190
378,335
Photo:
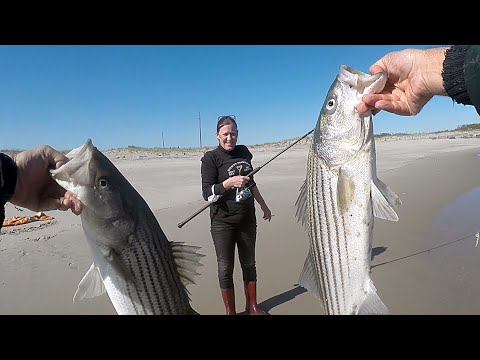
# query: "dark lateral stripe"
345,244
148,283
139,272
318,232
338,239
166,305
179,294
129,287
173,290
330,241
320,250
170,299
154,268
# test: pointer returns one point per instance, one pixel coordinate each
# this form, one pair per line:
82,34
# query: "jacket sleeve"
8,181
461,74
472,75
209,173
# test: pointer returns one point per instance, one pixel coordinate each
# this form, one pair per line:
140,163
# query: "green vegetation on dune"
468,127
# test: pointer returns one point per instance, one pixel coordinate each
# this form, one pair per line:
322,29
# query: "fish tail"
372,303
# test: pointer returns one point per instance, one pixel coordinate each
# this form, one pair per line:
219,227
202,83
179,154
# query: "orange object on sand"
20,220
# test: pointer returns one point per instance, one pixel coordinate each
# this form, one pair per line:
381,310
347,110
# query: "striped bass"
141,271
340,198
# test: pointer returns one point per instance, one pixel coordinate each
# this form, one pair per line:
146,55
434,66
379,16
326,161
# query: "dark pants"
225,236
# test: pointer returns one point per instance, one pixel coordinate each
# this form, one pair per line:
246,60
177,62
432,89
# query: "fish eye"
102,182
330,104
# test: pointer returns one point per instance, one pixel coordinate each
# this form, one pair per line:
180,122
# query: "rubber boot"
228,296
251,306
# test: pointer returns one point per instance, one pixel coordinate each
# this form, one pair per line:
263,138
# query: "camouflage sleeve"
461,70
8,180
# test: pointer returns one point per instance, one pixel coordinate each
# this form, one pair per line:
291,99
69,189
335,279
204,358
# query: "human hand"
267,214
414,77
238,181
36,189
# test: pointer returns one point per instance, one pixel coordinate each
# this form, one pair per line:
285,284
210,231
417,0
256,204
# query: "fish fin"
91,285
301,204
372,303
384,200
117,264
187,260
308,280
345,191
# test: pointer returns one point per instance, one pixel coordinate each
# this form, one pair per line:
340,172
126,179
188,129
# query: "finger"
393,107
62,203
376,68
54,190
371,99
363,108
69,204
73,203
55,158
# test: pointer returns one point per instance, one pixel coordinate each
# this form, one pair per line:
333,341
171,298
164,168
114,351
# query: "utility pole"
163,141
200,129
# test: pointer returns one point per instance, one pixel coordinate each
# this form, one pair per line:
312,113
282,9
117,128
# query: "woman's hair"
225,120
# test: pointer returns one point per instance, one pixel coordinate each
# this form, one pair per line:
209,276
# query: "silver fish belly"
340,198
133,261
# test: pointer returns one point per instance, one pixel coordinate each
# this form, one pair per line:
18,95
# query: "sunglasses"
223,117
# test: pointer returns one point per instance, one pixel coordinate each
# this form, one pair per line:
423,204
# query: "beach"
426,263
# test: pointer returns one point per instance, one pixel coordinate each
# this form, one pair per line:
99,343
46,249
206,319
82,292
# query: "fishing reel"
243,194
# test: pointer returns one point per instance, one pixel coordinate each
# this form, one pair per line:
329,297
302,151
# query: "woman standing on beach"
232,215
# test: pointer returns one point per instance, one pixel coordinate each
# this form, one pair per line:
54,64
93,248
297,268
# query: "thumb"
376,68
55,157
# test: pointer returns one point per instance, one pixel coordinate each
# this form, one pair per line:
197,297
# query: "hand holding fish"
414,76
35,189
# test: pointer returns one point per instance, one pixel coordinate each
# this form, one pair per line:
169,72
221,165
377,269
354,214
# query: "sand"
421,265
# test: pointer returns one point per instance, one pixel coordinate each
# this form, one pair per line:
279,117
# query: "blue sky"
124,95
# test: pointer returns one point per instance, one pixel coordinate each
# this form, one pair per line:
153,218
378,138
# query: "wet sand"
423,264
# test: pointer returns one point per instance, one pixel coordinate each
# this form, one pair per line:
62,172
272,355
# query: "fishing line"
477,236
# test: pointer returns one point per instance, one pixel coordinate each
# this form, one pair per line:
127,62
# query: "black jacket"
217,166
461,74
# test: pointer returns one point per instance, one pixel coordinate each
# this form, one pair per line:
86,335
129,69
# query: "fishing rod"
253,172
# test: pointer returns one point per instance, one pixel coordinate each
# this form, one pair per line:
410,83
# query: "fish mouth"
76,170
364,83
